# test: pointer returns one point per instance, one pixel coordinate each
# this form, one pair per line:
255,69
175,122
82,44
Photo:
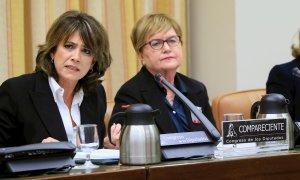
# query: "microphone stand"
208,125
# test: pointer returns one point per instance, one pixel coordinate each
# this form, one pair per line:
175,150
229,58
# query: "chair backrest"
236,102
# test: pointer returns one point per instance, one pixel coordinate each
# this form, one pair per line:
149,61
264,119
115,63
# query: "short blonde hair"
150,24
295,50
296,45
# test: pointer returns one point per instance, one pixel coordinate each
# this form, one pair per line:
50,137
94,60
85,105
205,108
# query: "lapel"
47,109
88,115
185,89
194,98
92,112
150,88
194,126
297,80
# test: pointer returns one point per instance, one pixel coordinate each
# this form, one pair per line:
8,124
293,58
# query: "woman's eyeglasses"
157,44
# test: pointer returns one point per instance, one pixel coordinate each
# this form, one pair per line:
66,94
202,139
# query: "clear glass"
233,117
87,141
224,150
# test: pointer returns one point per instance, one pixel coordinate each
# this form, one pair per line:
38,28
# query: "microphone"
208,125
296,71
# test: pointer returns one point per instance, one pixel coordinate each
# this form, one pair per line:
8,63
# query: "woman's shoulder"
287,65
21,81
285,68
193,86
131,85
190,81
139,80
19,86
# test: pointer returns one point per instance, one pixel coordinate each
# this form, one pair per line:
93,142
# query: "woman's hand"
115,132
49,140
107,144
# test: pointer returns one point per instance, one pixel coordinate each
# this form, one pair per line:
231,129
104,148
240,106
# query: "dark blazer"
142,88
283,81
28,112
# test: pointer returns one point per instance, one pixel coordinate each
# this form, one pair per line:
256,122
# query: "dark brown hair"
94,37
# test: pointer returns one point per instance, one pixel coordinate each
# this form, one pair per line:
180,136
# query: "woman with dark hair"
64,91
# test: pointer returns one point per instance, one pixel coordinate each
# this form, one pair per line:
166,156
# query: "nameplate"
194,137
254,130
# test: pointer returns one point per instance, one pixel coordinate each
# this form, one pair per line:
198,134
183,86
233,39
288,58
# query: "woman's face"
164,60
72,60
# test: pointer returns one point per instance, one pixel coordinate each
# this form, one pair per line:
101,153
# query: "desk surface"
112,172
268,166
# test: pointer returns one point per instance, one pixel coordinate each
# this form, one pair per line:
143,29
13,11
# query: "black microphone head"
157,77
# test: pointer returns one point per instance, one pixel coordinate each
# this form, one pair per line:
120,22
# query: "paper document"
100,154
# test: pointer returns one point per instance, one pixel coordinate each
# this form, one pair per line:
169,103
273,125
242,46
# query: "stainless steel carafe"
272,106
140,139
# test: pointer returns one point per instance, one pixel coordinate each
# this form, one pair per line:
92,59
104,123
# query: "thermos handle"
117,116
156,112
254,109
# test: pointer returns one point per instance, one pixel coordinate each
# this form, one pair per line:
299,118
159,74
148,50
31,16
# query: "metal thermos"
272,106
140,139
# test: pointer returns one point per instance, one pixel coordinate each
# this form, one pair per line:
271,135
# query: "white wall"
211,44
264,32
234,43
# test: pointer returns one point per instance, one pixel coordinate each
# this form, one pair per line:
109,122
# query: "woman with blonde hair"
157,40
285,79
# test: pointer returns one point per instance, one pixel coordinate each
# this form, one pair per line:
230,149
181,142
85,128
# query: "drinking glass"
87,140
233,117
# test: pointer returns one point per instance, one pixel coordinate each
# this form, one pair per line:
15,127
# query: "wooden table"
112,172
281,165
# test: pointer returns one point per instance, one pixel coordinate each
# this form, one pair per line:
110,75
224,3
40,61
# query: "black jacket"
283,81
142,88
28,112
